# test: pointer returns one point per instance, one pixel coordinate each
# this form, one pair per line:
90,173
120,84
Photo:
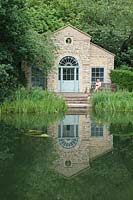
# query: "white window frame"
95,67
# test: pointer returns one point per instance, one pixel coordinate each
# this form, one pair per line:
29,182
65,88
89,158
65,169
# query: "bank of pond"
107,101
37,100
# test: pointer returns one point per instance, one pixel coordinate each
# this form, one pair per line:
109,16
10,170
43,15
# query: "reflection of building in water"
78,141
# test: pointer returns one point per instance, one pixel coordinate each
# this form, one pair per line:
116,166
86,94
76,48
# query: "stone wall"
87,54
79,49
87,148
99,57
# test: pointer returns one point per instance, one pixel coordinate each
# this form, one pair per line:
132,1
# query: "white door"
68,76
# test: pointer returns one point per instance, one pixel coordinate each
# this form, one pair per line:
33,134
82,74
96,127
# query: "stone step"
80,98
75,100
70,105
73,94
77,111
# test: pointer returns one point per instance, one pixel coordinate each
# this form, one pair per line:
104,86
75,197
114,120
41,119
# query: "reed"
34,101
112,101
112,117
29,121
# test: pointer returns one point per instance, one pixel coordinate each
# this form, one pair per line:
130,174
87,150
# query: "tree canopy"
26,24
18,40
109,22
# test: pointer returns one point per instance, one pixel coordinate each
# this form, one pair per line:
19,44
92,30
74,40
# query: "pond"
79,156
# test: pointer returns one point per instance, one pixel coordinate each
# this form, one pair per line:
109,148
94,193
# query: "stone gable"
87,54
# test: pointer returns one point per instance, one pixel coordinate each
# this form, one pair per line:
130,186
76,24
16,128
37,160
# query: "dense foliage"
18,42
33,101
7,81
122,78
109,22
25,27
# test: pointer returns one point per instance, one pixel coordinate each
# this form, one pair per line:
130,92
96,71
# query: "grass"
112,117
29,121
34,101
112,101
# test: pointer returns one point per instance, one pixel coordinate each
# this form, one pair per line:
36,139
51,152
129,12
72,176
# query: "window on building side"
37,77
96,130
97,73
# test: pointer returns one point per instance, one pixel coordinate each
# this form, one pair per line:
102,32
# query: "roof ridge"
102,48
69,25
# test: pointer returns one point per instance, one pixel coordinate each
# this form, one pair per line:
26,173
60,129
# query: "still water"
79,156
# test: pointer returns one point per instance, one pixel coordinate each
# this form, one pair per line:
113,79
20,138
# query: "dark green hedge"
122,78
8,81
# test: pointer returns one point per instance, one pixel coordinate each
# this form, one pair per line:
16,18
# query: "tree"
109,22
18,41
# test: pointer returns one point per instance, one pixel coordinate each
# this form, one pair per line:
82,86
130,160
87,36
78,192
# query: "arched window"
68,143
68,137
68,61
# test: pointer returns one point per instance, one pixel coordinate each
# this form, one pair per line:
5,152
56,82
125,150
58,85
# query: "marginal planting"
112,101
112,117
28,121
33,101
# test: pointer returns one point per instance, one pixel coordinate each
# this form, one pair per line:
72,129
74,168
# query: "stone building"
78,140
78,63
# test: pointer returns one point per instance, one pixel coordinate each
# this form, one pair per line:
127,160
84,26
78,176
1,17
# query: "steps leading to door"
75,100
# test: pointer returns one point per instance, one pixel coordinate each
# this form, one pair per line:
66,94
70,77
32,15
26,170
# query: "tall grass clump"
31,121
34,101
112,101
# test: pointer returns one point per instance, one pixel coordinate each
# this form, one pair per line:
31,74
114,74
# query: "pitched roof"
69,25
73,28
102,48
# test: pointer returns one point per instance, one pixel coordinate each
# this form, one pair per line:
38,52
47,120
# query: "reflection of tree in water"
124,147
28,167
28,175
121,128
9,144
30,121
31,177
9,136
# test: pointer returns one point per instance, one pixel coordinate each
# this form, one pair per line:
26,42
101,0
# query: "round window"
68,41
68,163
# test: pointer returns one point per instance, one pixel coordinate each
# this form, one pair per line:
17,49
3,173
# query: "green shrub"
7,81
122,78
